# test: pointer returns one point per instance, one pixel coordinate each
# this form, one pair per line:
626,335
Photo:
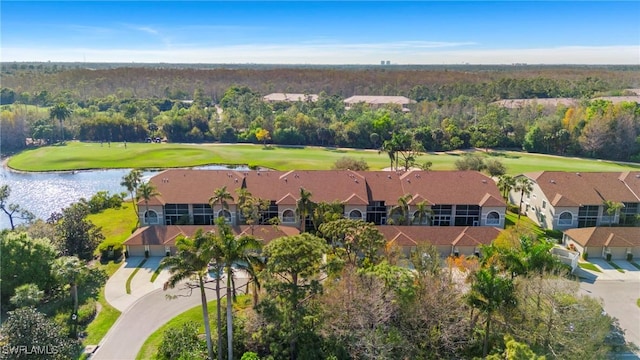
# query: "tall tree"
304,208
146,191
70,270
131,181
402,209
423,213
60,112
505,184
192,261
490,292
75,235
235,251
13,211
524,186
220,196
612,208
355,238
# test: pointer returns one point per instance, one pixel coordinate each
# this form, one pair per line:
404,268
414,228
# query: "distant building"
379,101
278,97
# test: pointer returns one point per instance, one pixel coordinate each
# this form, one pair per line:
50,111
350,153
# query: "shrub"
585,256
349,163
110,250
86,312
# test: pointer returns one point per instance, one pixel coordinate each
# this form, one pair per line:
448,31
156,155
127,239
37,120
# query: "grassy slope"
80,155
194,314
116,224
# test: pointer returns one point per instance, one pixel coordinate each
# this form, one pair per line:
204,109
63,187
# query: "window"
272,212
441,215
175,214
493,218
288,216
544,204
226,214
376,212
467,215
565,219
202,214
355,214
628,213
150,217
588,216
417,220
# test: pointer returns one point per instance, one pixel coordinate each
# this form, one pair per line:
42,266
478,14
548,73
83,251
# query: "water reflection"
44,193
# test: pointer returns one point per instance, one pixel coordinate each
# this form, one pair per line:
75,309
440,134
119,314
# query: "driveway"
618,292
115,289
146,309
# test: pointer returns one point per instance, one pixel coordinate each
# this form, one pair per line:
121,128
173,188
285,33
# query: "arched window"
493,218
355,214
566,218
288,216
226,214
418,221
150,217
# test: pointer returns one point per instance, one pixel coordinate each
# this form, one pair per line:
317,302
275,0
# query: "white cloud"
396,52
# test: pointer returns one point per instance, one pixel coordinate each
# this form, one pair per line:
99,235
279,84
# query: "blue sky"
333,32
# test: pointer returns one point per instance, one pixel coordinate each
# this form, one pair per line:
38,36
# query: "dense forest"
454,106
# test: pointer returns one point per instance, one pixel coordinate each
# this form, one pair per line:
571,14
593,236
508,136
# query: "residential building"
379,101
600,241
565,200
278,97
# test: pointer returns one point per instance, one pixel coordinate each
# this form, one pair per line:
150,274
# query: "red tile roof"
439,235
587,188
167,235
606,236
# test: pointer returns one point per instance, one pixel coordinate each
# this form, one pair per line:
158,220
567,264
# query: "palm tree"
611,208
423,212
70,270
235,251
403,209
192,261
146,191
524,186
505,184
390,148
220,196
490,292
243,197
304,207
131,181
60,112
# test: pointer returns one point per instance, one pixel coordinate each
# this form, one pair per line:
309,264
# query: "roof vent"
236,179
409,181
388,176
578,174
552,181
484,181
285,179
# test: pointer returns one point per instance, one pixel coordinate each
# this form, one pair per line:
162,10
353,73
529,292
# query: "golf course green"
75,155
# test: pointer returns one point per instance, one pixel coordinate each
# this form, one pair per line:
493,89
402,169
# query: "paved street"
619,293
145,309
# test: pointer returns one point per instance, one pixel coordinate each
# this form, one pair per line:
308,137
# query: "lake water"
43,193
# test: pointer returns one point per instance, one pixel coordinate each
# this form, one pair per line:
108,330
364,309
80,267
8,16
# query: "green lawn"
589,266
638,302
194,314
83,155
116,224
99,327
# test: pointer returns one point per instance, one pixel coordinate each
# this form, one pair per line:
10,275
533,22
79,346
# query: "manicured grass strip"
589,266
99,327
83,155
156,273
637,266
134,274
150,346
638,302
615,266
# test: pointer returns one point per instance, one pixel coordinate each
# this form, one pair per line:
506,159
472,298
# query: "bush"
87,312
349,163
110,250
585,256
102,200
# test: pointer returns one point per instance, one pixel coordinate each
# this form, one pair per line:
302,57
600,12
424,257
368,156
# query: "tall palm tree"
131,181
70,270
505,184
304,207
524,186
243,197
60,112
220,196
390,148
240,252
611,208
403,209
146,191
192,261
423,212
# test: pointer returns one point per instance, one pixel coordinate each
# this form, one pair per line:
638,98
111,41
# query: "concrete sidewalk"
115,290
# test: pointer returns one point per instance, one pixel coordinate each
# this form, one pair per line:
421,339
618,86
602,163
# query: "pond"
43,193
